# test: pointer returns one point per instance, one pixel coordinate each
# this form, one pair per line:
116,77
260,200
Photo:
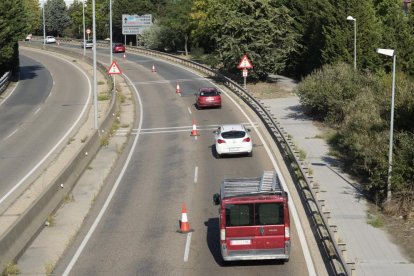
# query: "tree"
32,14
12,28
261,29
56,17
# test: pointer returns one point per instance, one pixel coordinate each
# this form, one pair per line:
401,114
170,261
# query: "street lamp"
44,25
83,21
390,53
350,18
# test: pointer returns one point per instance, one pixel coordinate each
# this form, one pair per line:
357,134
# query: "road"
137,234
38,117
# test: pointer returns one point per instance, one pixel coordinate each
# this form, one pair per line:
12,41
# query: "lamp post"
95,96
350,18
83,22
390,53
44,25
110,29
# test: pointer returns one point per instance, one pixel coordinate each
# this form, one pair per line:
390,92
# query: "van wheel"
250,154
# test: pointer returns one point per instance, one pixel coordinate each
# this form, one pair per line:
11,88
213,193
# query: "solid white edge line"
292,207
187,247
111,194
195,174
15,187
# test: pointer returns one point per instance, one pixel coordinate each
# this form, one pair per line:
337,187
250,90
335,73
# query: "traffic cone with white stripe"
178,89
194,132
153,69
184,225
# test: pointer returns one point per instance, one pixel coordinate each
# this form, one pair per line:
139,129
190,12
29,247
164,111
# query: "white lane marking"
187,247
111,194
37,110
189,110
11,134
81,114
195,174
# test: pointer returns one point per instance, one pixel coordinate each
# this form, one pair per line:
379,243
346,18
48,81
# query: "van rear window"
269,213
254,214
239,214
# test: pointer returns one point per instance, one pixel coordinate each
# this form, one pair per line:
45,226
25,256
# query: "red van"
253,218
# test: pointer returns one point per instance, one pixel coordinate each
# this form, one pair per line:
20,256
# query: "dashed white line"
189,110
37,110
195,174
11,134
187,247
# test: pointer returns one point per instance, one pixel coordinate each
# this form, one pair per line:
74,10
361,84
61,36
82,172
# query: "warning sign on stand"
245,63
114,69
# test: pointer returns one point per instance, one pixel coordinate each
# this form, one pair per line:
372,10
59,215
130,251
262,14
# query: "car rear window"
239,214
269,213
254,214
209,93
234,134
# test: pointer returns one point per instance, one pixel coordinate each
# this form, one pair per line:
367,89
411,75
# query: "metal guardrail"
308,187
4,81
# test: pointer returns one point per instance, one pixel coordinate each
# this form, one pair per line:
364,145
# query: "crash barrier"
19,235
309,189
4,81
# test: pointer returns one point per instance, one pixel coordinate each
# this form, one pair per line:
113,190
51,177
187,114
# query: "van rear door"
240,229
269,224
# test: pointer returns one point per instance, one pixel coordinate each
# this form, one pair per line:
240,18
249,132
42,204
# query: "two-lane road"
137,233
38,117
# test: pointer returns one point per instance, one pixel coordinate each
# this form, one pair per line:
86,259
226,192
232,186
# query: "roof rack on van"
268,184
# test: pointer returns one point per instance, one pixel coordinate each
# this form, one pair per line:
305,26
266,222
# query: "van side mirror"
216,199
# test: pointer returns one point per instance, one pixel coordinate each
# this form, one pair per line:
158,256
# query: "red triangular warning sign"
114,69
245,63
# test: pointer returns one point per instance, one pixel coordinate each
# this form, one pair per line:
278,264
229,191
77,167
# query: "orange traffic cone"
124,56
178,90
194,132
153,69
184,225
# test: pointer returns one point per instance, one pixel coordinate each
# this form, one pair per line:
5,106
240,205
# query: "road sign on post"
114,69
245,64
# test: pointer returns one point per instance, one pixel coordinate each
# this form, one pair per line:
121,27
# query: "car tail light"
221,141
287,233
246,139
223,234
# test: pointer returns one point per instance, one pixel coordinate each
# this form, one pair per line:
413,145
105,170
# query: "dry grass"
270,90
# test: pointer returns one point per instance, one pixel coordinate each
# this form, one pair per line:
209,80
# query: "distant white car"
50,39
232,139
87,44
28,37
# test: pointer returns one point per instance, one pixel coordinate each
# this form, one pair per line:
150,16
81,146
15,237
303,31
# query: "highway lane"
138,232
38,117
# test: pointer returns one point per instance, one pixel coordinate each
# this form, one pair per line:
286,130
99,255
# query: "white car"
232,139
87,44
50,39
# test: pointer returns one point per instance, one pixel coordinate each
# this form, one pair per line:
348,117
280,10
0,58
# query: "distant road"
47,101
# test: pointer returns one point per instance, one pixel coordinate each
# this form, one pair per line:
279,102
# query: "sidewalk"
371,248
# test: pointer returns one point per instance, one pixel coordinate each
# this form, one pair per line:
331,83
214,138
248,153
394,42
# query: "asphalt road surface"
137,234
37,117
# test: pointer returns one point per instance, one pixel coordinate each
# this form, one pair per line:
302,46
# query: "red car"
208,97
118,48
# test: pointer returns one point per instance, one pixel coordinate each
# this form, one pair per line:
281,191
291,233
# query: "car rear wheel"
250,154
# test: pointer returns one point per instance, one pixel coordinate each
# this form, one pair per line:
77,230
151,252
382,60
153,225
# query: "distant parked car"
118,48
87,44
50,39
28,37
208,97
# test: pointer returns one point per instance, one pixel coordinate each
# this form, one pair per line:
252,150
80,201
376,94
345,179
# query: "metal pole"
110,29
44,24
84,39
355,52
95,98
391,130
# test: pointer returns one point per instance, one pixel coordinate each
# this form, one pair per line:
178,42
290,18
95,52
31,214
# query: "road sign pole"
245,86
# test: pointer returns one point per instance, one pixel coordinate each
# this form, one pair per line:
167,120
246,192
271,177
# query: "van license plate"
240,242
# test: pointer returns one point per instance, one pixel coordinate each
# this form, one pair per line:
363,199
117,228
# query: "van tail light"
221,141
287,233
246,139
222,234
